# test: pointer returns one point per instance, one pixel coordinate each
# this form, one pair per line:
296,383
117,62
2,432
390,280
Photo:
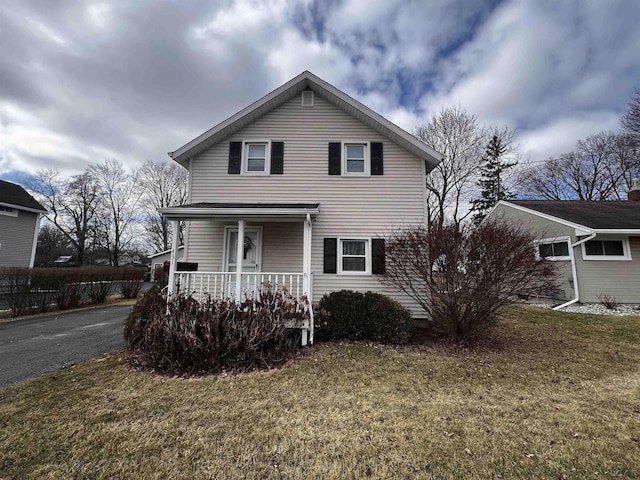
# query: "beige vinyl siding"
349,206
620,278
542,229
16,239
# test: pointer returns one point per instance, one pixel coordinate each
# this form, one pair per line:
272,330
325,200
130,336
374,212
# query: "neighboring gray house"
158,260
310,180
596,243
20,216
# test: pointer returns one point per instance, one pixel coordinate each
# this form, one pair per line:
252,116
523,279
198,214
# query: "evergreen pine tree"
491,182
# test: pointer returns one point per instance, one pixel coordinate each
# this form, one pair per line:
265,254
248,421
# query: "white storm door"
252,249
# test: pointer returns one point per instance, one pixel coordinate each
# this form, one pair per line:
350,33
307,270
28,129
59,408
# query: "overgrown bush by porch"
34,290
349,315
186,337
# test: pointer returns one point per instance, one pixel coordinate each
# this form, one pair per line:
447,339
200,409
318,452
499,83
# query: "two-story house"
20,216
298,189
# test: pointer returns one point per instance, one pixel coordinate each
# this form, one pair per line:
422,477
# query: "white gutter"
574,272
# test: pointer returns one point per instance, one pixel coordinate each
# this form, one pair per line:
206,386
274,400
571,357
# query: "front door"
251,258
252,249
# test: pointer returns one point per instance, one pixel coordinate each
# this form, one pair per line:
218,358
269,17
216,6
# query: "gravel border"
594,308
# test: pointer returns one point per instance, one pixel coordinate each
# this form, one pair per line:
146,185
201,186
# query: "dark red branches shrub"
188,337
461,276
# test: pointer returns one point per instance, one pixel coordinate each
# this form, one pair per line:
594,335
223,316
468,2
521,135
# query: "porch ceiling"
280,212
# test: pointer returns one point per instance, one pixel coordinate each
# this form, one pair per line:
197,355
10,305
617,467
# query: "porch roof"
241,210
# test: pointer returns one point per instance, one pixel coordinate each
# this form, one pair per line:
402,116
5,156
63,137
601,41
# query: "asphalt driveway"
31,347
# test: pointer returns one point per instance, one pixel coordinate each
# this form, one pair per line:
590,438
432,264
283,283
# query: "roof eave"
22,207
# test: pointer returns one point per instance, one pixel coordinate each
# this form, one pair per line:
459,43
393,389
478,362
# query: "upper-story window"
613,249
255,157
356,158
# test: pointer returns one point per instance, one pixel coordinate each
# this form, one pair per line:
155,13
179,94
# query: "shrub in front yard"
212,336
461,276
349,315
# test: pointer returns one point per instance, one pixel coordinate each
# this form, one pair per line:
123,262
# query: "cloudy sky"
84,81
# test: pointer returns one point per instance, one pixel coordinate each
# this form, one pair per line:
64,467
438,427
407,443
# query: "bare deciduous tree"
461,277
118,213
71,204
631,118
460,138
164,185
600,168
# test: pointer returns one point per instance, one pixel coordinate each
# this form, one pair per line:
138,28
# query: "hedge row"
33,290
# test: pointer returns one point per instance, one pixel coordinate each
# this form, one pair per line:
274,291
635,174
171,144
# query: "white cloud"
560,135
132,80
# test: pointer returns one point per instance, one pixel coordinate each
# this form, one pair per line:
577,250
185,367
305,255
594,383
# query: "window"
613,249
356,158
554,250
9,211
255,157
354,256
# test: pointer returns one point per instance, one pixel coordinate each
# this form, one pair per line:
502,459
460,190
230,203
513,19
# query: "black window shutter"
235,156
335,158
277,158
377,164
377,254
330,255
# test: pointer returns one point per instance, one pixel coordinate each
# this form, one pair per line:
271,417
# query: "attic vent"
307,98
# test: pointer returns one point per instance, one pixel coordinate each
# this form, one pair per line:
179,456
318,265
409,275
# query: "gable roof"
289,90
14,195
602,215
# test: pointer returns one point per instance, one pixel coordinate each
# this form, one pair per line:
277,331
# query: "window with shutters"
255,157
355,158
354,256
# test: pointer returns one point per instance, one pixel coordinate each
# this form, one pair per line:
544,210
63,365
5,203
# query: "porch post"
306,258
239,258
172,263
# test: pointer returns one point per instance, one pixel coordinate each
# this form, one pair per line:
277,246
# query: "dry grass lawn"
550,395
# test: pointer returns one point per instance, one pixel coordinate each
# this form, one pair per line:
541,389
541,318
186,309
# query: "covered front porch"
236,250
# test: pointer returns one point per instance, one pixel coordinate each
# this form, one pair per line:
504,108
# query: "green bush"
349,315
212,336
151,301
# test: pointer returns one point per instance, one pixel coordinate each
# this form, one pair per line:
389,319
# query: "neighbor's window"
355,159
605,249
256,157
354,256
12,212
553,250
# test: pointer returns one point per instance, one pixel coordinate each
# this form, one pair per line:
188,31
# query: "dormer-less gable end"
307,85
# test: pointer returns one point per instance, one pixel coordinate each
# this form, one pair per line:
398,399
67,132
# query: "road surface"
31,347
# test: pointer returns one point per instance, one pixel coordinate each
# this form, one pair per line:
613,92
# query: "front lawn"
549,395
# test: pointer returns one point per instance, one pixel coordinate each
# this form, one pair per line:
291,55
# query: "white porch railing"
219,285
222,285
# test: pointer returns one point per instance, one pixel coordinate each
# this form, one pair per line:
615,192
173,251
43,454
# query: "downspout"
574,272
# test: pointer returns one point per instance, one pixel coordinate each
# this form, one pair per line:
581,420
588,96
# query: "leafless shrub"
608,301
213,336
462,276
